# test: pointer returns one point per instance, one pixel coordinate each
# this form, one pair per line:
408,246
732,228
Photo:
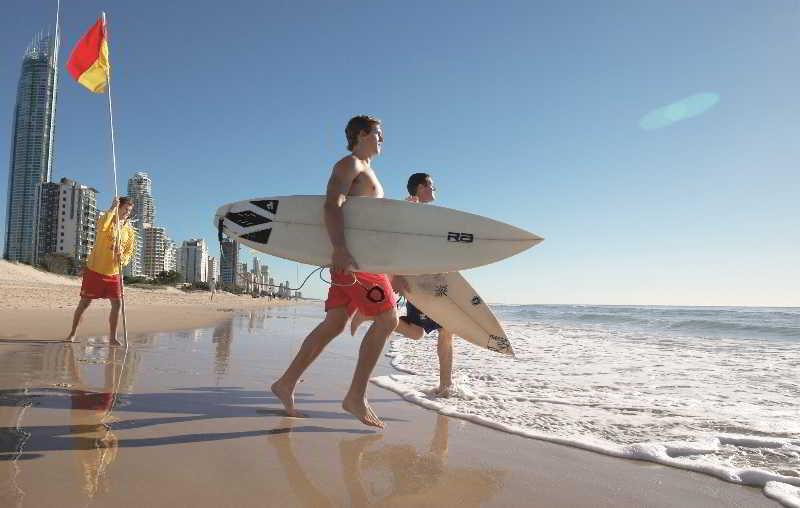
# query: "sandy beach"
184,419
37,305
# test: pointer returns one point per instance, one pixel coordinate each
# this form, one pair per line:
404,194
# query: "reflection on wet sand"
222,339
52,371
256,320
301,485
94,444
390,475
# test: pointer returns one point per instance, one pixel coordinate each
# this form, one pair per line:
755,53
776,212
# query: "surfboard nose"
220,214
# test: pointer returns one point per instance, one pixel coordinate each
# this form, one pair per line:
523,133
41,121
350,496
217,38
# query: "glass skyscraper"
31,159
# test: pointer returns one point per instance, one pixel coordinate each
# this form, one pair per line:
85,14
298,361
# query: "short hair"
125,200
414,181
356,126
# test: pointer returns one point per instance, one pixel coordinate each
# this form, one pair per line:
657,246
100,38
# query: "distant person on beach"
101,276
212,286
415,324
350,290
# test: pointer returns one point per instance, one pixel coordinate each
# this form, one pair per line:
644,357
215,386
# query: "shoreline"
201,405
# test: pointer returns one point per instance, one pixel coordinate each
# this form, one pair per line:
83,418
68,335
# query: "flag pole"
116,194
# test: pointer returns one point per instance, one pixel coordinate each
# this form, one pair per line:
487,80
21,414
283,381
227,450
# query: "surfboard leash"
375,294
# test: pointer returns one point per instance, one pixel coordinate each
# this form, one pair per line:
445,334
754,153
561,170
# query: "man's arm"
127,252
342,176
105,220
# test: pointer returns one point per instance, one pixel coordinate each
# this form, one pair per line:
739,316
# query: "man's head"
364,133
125,207
420,185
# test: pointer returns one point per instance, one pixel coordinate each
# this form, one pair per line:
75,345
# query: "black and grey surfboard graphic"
270,205
260,236
499,344
248,219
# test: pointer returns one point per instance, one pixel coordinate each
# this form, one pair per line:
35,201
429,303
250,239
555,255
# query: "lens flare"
683,109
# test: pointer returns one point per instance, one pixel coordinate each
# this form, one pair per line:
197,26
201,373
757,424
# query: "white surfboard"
448,299
383,235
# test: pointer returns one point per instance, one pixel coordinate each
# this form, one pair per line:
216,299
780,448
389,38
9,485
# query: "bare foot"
362,410
71,338
356,321
286,397
443,391
114,343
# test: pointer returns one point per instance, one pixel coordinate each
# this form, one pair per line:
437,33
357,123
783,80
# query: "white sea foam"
721,405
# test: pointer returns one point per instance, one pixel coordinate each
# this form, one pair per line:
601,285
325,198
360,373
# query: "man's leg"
76,318
113,318
403,327
315,342
409,330
444,348
355,402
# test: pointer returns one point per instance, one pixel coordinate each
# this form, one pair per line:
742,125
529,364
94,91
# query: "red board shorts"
92,400
96,285
345,293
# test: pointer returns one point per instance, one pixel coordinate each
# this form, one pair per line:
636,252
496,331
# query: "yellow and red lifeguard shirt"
101,260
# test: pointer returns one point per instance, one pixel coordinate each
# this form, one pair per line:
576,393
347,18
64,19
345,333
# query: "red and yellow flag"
88,63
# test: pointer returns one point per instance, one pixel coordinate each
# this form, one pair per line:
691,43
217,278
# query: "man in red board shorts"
370,293
101,274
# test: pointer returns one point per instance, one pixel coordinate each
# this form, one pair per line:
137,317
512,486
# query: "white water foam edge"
782,488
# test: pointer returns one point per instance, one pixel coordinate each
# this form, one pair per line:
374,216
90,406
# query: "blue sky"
530,113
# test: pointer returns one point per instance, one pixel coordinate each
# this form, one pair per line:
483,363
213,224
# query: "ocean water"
714,390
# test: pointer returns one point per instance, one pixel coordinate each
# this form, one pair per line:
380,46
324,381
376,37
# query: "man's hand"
412,199
343,261
400,284
117,253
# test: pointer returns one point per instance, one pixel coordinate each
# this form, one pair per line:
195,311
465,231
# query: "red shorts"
96,285
92,400
344,293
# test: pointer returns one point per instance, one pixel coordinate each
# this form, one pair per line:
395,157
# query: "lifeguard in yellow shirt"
101,276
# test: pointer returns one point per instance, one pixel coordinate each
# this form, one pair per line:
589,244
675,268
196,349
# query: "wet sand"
183,419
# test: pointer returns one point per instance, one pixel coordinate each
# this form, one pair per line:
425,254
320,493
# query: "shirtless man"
349,291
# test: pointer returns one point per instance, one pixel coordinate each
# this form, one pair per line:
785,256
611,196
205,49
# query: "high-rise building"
194,260
140,190
159,251
213,269
31,161
170,256
229,263
256,266
265,273
67,217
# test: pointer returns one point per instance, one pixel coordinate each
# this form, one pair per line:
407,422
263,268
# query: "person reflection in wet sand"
299,482
415,479
95,445
420,479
